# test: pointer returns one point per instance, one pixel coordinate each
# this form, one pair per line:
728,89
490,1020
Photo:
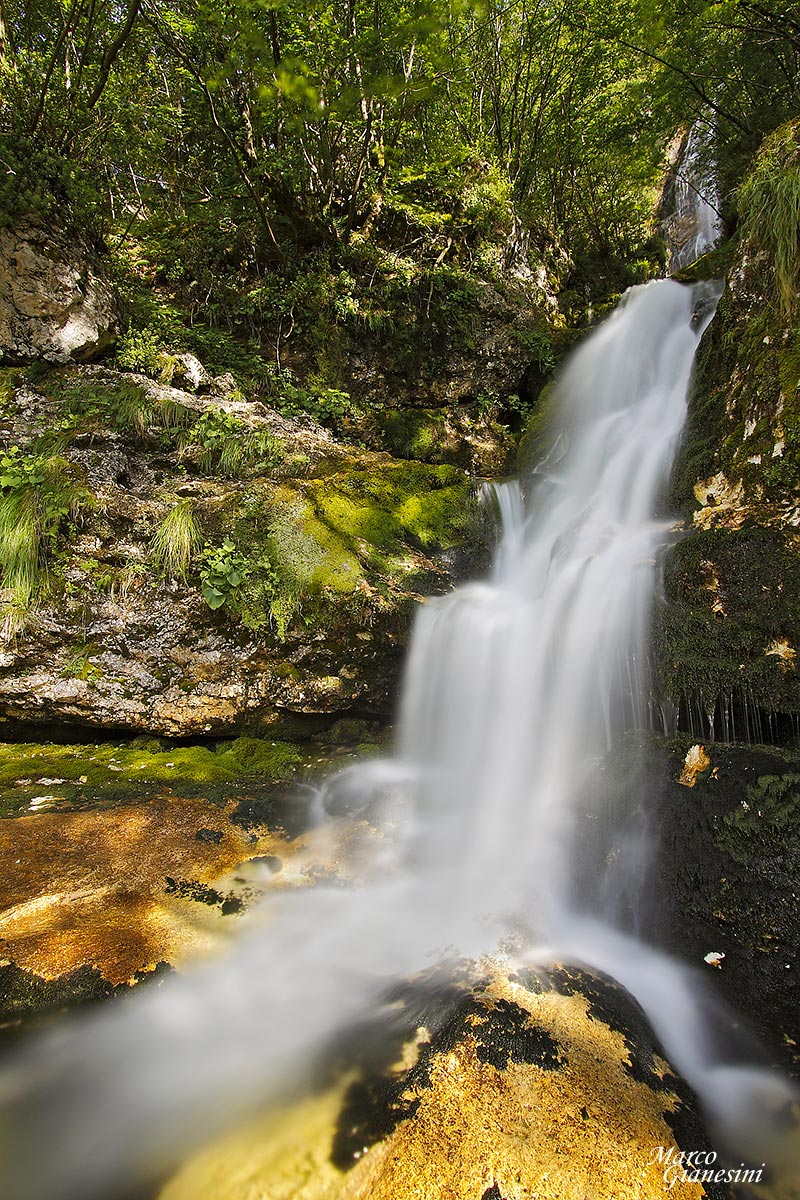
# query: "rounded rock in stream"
519,1086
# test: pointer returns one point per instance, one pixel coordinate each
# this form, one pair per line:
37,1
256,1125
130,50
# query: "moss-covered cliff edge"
730,631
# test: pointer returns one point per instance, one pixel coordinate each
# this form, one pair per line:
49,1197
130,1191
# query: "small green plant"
176,540
329,406
770,810
247,585
224,570
142,350
92,405
129,579
224,443
77,665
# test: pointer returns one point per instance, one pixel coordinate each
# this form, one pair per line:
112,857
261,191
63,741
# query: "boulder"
54,300
514,1087
191,373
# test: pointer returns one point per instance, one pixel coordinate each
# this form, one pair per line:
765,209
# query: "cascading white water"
694,224
514,688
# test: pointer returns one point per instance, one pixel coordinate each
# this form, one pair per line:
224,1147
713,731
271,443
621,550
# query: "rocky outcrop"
55,302
300,560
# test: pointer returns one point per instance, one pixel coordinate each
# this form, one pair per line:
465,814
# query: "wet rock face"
728,636
730,862
55,303
94,890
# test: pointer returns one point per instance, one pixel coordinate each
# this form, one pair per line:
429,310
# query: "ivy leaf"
212,596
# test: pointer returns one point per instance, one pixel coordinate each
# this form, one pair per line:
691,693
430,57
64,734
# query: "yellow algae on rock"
782,650
578,1123
113,889
694,765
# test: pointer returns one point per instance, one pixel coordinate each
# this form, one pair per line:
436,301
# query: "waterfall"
515,687
692,224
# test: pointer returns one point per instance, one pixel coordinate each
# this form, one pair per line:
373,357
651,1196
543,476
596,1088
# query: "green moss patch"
766,817
419,505
44,776
307,551
354,531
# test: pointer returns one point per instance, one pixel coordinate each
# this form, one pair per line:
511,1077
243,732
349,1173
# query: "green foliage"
769,206
38,495
223,443
142,350
176,540
328,406
225,570
237,139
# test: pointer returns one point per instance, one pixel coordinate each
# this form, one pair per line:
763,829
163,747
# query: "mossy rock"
41,776
468,435
713,265
420,434
419,505
744,406
537,435
731,622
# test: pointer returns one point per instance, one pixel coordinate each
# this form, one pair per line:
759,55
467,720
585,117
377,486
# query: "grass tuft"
769,206
176,540
38,495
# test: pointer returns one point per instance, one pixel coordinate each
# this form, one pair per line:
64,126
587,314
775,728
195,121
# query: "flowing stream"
515,687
